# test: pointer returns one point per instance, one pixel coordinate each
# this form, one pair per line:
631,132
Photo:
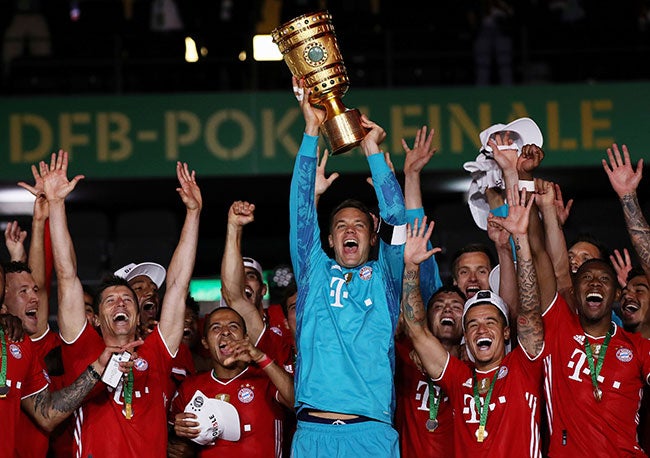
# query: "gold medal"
432,425
598,394
4,390
481,433
129,411
483,385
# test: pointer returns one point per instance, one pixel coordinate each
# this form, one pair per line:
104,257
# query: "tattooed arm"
49,408
431,352
530,328
625,180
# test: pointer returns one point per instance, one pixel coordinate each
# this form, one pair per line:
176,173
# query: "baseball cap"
486,297
527,133
155,272
250,262
217,419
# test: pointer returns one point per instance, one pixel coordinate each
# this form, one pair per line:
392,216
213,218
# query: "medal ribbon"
434,401
128,394
3,369
595,371
483,409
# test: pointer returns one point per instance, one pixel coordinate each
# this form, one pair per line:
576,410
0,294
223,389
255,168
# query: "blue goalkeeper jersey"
346,318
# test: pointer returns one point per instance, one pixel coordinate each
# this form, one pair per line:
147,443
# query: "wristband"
528,185
93,373
393,235
264,362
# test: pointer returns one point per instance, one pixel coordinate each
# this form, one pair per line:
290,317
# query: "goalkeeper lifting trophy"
309,48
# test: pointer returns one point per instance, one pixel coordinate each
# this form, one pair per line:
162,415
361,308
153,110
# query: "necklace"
434,404
484,408
595,370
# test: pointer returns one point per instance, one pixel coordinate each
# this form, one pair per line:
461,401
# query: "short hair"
471,248
606,262
447,288
587,237
107,282
206,322
635,272
352,203
91,292
192,305
15,267
290,290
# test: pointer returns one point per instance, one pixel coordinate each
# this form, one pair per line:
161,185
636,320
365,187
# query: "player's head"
352,233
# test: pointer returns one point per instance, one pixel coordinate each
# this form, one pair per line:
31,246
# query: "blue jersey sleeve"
304,233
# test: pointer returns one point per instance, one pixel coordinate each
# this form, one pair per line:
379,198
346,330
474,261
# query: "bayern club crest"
140,364
365,273
245,395
624,355
15,351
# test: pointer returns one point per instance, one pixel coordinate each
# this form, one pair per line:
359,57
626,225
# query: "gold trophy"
308,46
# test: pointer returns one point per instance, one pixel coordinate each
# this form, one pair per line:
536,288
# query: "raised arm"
431,352
530,328
71,309
625,180
233,274
181,265
416,159
555,243
36,258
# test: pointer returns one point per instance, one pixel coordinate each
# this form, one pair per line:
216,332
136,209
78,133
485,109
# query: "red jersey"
277,348
513,418
26,376
255,398
578,424
102,427
33,441
182,368
413,408
278,323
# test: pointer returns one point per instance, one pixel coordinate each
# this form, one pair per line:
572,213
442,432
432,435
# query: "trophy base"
343,131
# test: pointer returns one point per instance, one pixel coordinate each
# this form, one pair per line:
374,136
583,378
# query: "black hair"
471,248
592,239
206,322
606,262
107,282
635,272
87,289
447,288
15,267
191,304
289,291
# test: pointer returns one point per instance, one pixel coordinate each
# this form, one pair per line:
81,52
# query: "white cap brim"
155,272
526,129
217,419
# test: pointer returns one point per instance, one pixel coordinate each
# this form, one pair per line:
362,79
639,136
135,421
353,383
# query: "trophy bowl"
309,48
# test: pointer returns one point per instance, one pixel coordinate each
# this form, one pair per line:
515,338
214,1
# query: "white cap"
527,133
217,419
155,272
487,297
250,262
